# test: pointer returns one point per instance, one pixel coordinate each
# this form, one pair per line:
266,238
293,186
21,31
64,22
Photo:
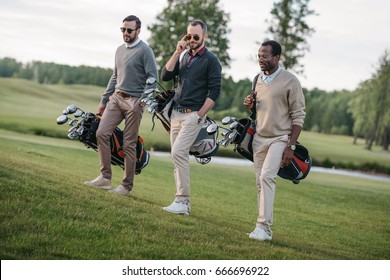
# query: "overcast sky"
350,35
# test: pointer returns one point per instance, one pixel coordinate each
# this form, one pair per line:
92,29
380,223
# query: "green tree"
172,25
381,124
8,67
289,28
336,119
370,107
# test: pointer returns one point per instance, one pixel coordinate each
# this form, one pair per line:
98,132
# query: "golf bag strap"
154,115
140,140
176,78
117,145
253,110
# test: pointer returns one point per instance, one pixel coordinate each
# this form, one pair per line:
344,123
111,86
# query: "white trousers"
184,130
267,157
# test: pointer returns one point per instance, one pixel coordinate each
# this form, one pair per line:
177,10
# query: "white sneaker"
260,234
178,207
120,190
100,183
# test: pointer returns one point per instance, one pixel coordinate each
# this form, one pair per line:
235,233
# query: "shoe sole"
112,191
98,187
177,213
103,187
260,239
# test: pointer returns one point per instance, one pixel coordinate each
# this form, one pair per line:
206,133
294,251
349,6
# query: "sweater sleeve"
296,101
215,77
150,67
110,88
169,75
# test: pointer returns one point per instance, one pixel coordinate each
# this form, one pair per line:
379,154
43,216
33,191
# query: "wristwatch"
292,147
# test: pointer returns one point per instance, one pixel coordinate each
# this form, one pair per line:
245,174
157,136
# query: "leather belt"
122,94
182,110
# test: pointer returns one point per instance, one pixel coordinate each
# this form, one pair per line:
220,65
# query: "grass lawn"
46,212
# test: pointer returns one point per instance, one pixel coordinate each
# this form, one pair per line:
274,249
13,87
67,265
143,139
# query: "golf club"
62,119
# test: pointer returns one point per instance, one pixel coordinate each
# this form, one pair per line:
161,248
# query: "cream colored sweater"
279,105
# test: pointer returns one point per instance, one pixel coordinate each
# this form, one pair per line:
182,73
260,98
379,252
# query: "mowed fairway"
46,212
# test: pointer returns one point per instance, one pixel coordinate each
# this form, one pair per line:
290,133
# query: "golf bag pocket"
164,98
205,144
299,166
90,126
164,114
246,131
142,156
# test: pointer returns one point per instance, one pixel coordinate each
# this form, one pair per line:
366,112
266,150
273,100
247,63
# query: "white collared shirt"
133,44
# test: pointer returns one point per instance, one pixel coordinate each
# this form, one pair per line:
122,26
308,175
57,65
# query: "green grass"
46,212
340,151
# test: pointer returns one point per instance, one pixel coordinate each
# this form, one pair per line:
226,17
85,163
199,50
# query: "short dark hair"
133,18
276,47
196,22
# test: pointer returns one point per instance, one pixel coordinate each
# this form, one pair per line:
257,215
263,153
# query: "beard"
128,39
196,46
266,66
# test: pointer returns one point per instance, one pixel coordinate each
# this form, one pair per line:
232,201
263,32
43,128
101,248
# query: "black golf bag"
243,141
84,127
298,168
116,142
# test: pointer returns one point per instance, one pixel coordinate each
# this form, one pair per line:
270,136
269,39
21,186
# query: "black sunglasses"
129,30
196,37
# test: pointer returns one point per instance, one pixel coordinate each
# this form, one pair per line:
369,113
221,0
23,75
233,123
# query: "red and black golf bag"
298,168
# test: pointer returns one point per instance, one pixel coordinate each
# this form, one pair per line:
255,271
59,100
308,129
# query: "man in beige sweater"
279,104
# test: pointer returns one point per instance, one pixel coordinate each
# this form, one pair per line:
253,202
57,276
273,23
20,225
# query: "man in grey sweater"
134,64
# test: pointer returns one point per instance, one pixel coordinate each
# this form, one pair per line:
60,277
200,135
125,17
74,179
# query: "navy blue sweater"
197,82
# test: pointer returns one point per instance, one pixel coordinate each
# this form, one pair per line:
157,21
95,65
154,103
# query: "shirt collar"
268,79
133,44
200,52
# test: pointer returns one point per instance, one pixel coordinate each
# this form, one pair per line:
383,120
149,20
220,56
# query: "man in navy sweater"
200,73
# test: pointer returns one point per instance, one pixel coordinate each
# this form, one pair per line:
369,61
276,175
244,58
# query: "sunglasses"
129,30
196,37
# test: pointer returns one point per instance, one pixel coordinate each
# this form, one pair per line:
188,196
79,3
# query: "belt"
182,110
122,94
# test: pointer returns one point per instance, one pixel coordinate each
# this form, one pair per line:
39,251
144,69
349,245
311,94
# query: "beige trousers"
267,157
184,130
119,109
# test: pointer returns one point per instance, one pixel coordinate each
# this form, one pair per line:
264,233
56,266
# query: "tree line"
52,73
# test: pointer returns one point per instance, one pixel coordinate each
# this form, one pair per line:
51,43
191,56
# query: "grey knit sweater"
133,66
